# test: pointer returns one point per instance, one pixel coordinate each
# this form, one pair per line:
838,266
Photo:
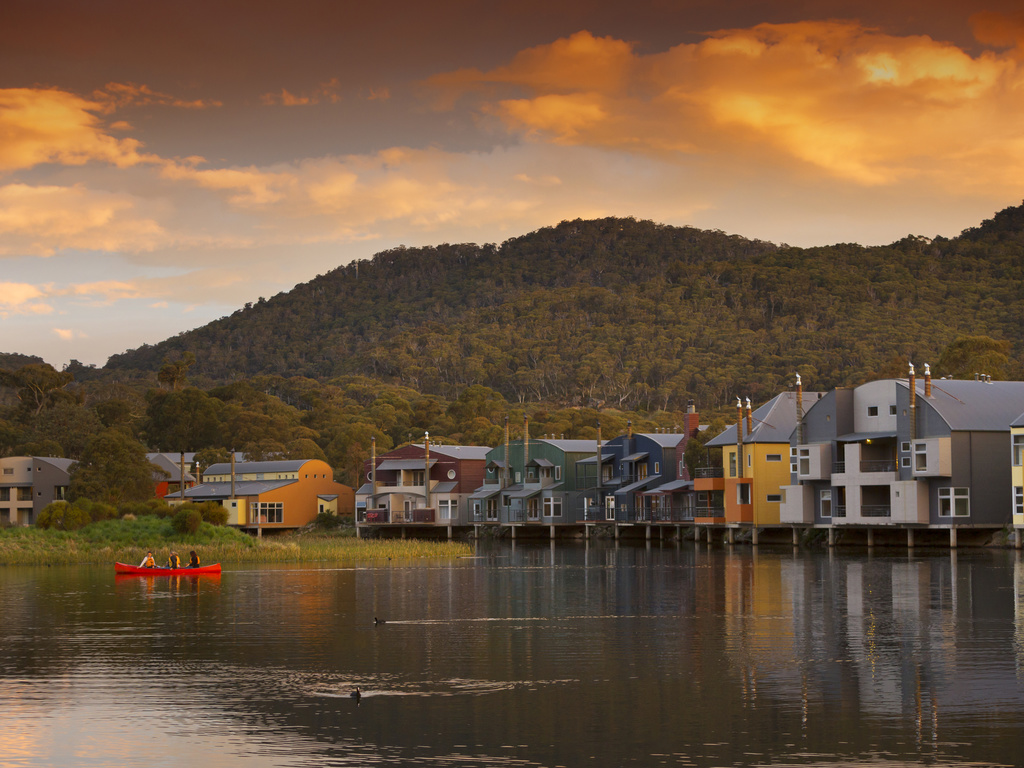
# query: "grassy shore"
127,541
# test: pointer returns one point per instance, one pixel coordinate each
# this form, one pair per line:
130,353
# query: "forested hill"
624,313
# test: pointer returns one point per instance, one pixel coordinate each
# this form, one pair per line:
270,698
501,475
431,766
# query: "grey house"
29,483
905,452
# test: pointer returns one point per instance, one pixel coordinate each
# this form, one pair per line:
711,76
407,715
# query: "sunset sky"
162,164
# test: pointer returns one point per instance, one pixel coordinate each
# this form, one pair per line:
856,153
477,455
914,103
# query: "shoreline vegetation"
126,541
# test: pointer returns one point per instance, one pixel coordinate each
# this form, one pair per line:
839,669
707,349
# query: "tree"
113,469
173,373
182,421
36,385
968,355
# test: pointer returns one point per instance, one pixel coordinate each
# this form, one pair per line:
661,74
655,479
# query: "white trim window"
954,502
268,511
446,509
1018,450
920,457
553,506
825,500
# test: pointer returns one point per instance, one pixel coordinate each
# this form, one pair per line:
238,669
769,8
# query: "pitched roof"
982,406
463,452
223,490
246,467
774,421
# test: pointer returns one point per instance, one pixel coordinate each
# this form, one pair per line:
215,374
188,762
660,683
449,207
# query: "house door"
609,507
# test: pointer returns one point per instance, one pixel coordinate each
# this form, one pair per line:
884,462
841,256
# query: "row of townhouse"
896,453
259,496
634,477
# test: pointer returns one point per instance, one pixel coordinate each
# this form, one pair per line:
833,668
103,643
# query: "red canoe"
122,568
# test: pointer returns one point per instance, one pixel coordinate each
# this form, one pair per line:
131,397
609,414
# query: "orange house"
273,495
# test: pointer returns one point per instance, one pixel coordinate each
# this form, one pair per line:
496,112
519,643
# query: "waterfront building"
29,483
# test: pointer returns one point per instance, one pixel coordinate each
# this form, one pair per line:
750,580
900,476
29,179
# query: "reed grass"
127,541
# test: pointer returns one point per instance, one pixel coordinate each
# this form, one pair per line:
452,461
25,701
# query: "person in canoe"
148,561
193,560
173,561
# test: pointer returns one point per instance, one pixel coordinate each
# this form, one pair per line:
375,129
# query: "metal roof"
485,492
223,490
635,457
397,464
248,467
774,421
593,459
463,452
638,484
675,485
981,406
445,487
541,462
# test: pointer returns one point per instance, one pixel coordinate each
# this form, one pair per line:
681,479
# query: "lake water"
526,656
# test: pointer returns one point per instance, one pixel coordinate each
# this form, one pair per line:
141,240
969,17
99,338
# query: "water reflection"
603,653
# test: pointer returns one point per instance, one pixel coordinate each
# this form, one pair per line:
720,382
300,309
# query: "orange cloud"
53,126
252,186
999,30
114,96
42,220
22,299
323,93
837,97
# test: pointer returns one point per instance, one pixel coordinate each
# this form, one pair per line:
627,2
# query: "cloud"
54,126
22,299
114,96
69,334
833,98
40,220
323,93
106,292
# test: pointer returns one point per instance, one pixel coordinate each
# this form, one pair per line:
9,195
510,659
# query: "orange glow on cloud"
22,298
852,102
52,126
115,96
324,93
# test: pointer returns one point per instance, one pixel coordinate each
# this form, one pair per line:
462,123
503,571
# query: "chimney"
799,411
692,419
526,445
927,381
739,437
426,468
508,464
750,418
373,470
913,404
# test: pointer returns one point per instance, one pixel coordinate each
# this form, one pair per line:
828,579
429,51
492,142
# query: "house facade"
29,483
168,476
272,495
422,484
907,452
746,490
537,483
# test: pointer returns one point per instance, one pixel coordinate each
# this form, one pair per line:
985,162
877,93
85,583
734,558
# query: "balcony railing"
838,467
709,512
886,465
710,472
400,516
875,510
839,510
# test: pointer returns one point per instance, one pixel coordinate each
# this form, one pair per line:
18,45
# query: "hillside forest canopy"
589,321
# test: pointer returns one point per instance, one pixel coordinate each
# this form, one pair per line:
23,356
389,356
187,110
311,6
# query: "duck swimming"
356,694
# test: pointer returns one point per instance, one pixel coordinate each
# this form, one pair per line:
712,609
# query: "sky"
163,164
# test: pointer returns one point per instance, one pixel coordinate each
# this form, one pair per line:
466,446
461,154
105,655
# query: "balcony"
878,466
421,516
876,510
710,472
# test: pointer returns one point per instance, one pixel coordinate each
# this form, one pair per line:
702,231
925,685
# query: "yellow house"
273,495
1017,472
755,462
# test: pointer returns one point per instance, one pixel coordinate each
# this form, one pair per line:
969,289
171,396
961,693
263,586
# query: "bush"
326,521
187,521
96,510
212,512
63,517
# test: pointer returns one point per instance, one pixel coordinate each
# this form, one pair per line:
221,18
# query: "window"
417,477
446,509
805,461
506,500
1018,500
268,511
892,410
532,509
872,410
8,470
774,497
954,502
519,476
553,507
905,462
24,494
750,459
5,494
920,457
492,509
657,467
558,472
743,493
905,447
732,465
773,457
825,497
1018,450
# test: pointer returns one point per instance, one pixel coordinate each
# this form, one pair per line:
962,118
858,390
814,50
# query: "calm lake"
530,655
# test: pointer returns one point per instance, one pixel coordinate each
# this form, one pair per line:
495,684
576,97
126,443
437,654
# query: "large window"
921,457
1018,500
954,502
268,511
553,506
825,496
5,494
24,494
446,509
492,509
1018,450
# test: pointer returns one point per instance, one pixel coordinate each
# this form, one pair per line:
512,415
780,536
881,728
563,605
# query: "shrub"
327,521
212,512
96,510
63,517
187,521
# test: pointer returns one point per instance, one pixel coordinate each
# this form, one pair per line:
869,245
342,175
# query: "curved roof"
981,406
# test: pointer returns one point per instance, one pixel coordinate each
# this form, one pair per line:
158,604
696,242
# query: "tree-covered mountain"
625,313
